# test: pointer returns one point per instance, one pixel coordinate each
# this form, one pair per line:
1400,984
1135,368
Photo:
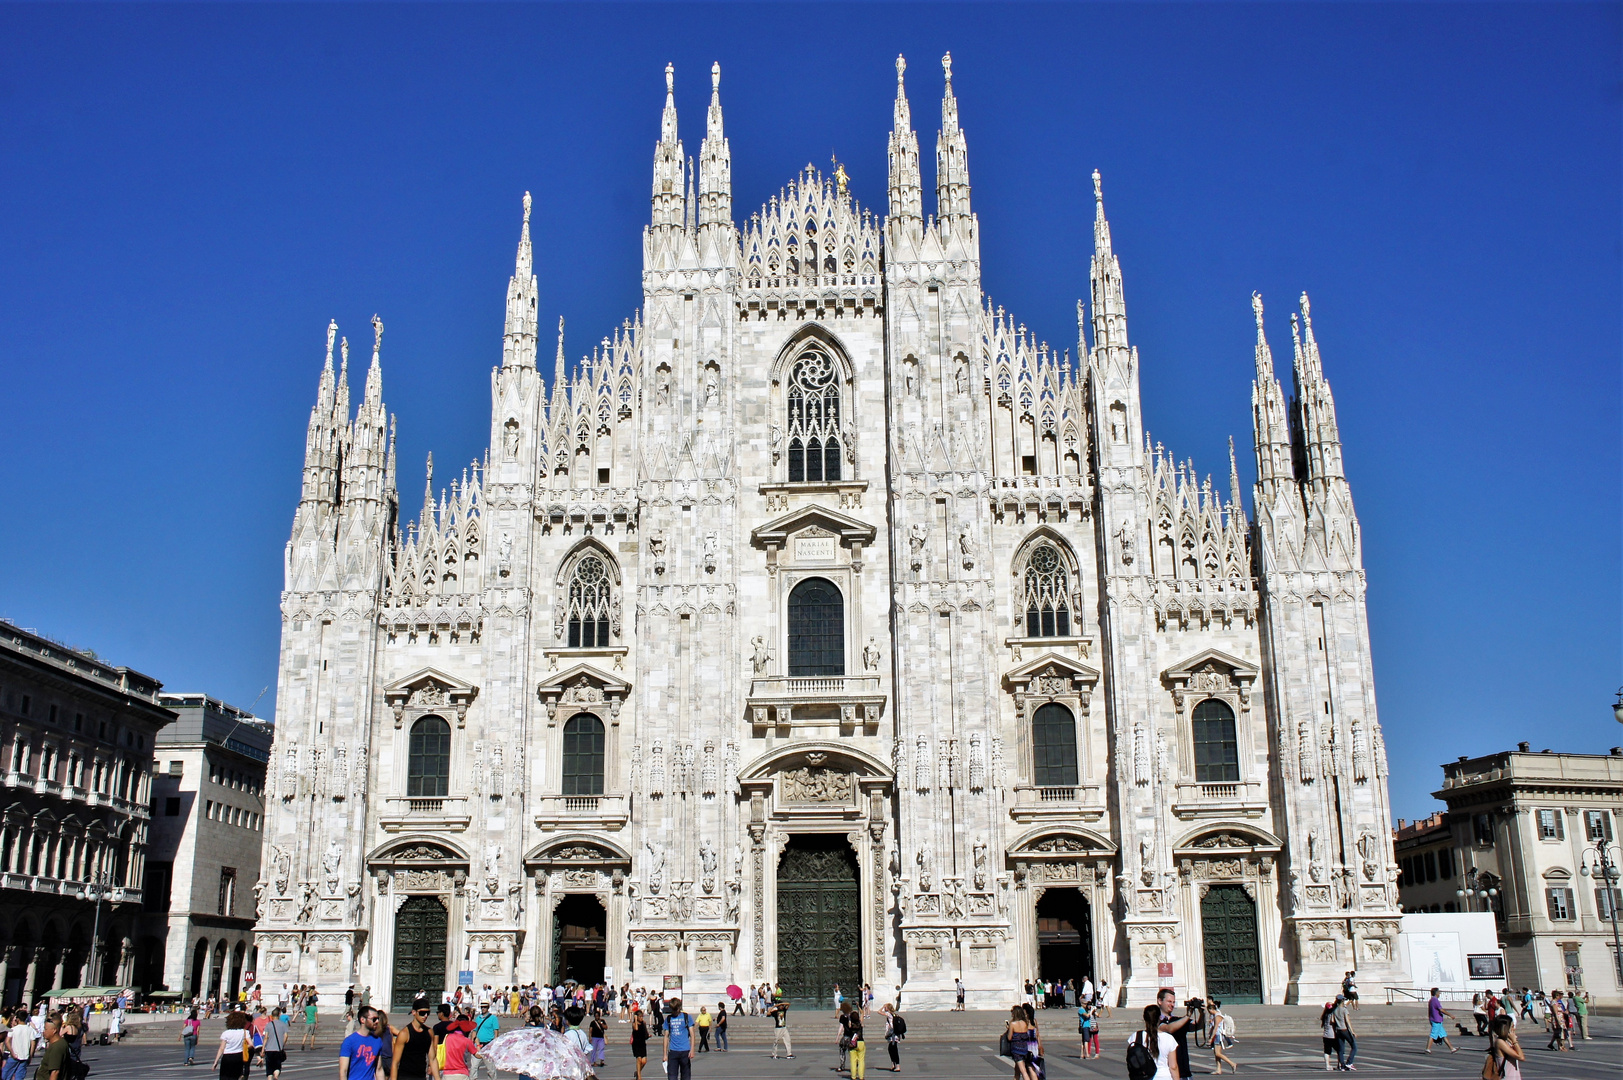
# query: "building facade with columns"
822,625
75,777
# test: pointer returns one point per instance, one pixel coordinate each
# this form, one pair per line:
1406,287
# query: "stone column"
31,974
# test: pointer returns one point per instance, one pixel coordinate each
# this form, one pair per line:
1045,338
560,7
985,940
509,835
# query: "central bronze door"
419,951
1228,924
819,921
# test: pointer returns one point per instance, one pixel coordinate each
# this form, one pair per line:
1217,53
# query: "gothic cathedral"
822,626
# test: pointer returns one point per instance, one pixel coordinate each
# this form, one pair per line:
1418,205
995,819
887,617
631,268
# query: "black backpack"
1140,1062
899,1026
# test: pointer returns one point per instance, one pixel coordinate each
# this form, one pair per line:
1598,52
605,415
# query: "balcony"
403,813
1239,798
1079,803
851,704
609,812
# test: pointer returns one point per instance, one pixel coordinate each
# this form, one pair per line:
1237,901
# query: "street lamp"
1475,888
98,885
1600,853
1617,709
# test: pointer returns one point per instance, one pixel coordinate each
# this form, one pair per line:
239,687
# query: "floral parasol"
538,1052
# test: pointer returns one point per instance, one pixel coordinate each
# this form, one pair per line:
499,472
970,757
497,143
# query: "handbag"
1004,1049
1491,1069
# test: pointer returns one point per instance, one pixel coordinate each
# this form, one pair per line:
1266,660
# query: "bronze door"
819,922
419,951
1228,925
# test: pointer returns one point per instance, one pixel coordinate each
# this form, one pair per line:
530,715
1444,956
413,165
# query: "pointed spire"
715,162
1109,304
951,156
1234,476
558,363
668,161
374,374
1320,449
428,497
1269,418
519,336
1101,227
906,197
524,265
341,399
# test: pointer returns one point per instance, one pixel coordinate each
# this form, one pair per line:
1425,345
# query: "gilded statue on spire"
841,180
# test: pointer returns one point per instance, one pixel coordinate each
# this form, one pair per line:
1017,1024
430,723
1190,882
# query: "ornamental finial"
901,66
670,78
715,76
1098,187
946,67
526,208
1256,307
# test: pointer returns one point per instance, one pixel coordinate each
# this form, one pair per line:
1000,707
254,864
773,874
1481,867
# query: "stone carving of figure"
917,535
329,866
980,864
850,443
1163,758
1304,750
634,901
515,901
662,392
966,548
1315,866
760,655
504,552
711,393
259,900
960,377
656,867
510,438
952,899
734,892
711,543
1141,755
1298,897
1146,861
924,863
911,376
498,774
1124,537
1129,894
738,861
707,863
307,901
921,765
356,903
282,867
493,867
870,656
1369,849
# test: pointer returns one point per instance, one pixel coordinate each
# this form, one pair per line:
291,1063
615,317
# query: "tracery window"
583,755
816,629
1217,749
814,419
1047,594
1053,746
428,759
589,602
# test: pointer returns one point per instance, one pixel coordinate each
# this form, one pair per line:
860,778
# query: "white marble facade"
1021,612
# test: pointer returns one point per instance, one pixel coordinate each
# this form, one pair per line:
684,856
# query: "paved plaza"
949,1053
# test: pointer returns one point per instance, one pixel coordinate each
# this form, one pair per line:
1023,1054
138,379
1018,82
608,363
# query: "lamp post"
1617,707
1474,888
98,885
1605,867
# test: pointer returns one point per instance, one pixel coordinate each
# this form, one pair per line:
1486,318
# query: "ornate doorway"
1064,935
419,950
819,920
1228,926
579,937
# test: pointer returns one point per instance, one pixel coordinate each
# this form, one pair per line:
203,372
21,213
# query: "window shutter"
1560,827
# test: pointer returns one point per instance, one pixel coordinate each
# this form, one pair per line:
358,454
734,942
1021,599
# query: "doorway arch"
819,920
1064,935
579,938
419,950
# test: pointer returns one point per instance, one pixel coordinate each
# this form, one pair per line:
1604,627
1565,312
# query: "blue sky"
189,194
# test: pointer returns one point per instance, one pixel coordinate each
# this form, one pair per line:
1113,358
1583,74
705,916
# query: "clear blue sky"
188,194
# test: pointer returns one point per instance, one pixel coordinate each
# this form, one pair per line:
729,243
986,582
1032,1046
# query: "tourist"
703,1023
1176,1026
1222,1037
958,989
1555,1021
1327,1029
721,1026
53,1064
779,1012
1102,998
639,1039
1088,1028
484,1029
1022,1036
678,1052
1580,1009
1435,1014
459,1048
188,1038
1479,1013
385,1034
895,1032
1344,1034
1153,1042
857,1047
231,1058
598,1031
1505,1051
842,1010
412,1045
310,1015
839,999
275,1044
20,1040
1349,989
580,1040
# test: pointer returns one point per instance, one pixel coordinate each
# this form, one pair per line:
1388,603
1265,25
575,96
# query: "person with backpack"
678,1052
1152,1054
1222,1037
895,1032
1505,1054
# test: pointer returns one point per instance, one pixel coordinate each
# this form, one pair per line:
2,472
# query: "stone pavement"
963,1046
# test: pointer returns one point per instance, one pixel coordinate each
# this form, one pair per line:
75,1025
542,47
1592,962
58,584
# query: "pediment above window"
429,690
1210,670
849,530
1051,673
586,687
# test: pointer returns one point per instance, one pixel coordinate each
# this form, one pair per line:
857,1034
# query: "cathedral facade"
824,626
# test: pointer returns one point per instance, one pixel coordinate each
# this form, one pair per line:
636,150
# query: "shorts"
1329,1045
274,1060
1438,1033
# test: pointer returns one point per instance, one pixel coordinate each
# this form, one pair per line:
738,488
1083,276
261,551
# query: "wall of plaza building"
202,873
76,739
825,625
1522,826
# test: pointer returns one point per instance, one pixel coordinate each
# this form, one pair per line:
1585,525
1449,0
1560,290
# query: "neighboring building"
208,811
822,627
1428,877
76,737
1522,821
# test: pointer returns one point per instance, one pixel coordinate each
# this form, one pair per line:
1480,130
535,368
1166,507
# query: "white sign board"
815,549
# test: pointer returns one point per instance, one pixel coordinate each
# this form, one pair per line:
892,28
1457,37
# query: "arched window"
583,755
590,599
816,629
1047,594
814,418
428,759
1217,751
1053,747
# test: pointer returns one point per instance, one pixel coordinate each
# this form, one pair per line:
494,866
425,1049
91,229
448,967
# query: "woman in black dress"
639,1040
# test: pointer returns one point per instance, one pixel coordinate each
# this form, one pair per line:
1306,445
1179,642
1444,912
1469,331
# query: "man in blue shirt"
359,1055
485,1028
678,1055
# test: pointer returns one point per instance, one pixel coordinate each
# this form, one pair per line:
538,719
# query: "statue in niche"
504,553
966,548
760,654
734,905
960,377
707,864
870,656
510,438
1146,861
924,860
515,901
329,866
662,384
918,534
1315,864
980,864
259,900
307,902
656,867
1298,897
356,903
493,861
1124,537
952,898
712,392
712,543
